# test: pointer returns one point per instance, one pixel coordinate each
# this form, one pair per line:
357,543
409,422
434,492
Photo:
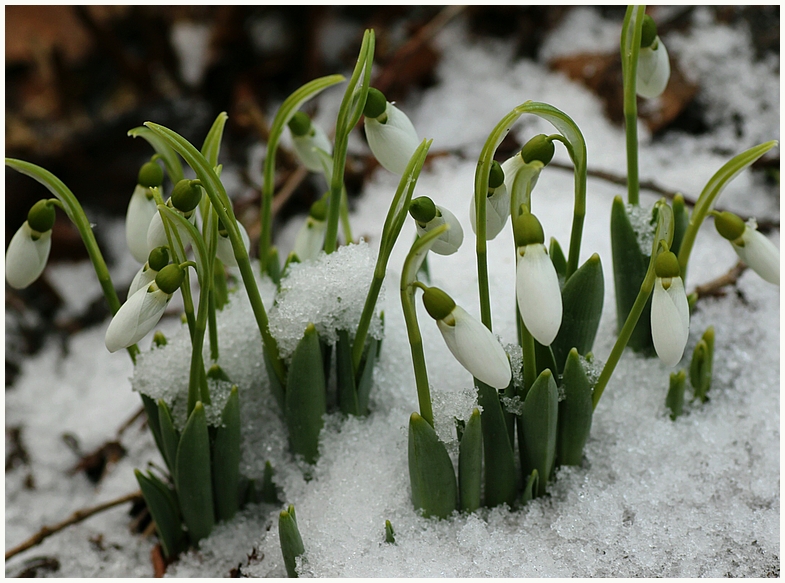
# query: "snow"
654,498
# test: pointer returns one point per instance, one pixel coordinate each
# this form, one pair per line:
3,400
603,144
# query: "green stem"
345,225
630,47
367,314
418,356
213,328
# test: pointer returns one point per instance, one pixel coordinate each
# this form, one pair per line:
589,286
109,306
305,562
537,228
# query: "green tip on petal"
666,265
538,148
528,230
41,216
376,104
186,195
300,124
730,226
496,177
158,258
438,304
170,278
422,209
648,32
150,174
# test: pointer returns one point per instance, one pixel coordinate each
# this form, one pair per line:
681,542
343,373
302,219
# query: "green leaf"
575,412
151,410
557,258
306,398
226,459
347,391
192,476
545,358
674,401
431,473
172,163
582,300
500,475
532,483
470,463
365,379
212,143
268,493
702,364
162,503
681,220
537,425
276,388
389,533
170,438
291,541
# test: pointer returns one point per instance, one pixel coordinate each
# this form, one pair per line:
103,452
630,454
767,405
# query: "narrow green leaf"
389,533
170,437
347,391
291,541
268,493
582,299
538,428
681,220
306,398
273,267
501,481
532,483
431,473
162,504
557,258
365,379
674,401
193,480
470,463
226,459
151,410
545,358
575,412
212,143
276,388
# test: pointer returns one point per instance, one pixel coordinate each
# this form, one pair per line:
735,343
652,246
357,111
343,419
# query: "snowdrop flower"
29,248
428,216
654,68
497,208
752,247
391,136
142,311
156,261
470,342
310,238
141,209
185,198
224,250
536,281
670,311
306,137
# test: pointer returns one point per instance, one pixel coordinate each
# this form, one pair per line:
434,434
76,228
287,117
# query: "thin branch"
76,517
716,287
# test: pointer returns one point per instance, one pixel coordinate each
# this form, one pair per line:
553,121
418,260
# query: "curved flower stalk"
307,137
28,251
752,247
427,216
391,135
141,210
670,312
654,68
310,237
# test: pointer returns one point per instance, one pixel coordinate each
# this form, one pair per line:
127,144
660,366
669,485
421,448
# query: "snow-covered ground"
694,497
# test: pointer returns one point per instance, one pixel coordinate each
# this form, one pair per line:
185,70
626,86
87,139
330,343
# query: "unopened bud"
300,124
422,209
375,104
186,195
158,258
41,216
666,265
170,278
438,304
496,177
648,32
150,174
538,148
528,229
730,226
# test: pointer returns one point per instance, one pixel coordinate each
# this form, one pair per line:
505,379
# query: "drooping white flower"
224,250
391,135
654,70
428,216
310,239
538,293
156,261
141,211
670,319
497,207
759,253
156,233
470,342
26,256
306,138
136,317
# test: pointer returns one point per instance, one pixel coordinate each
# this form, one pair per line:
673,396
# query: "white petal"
497,211
143,278
392,142
477,349
224,250
25,258
304,146
137,221
310,239
135,318
448,242
760,254
156,234
654,70
539,296
670,320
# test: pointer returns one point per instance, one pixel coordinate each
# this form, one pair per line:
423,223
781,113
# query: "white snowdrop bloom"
654,70
391,137
26,256
497,207
538,293
305,147
143,278
224,250
310,239
449,241
670,319
141,211
136,317
156,234
759,254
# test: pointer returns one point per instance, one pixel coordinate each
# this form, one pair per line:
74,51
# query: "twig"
76,517
716,287
129,422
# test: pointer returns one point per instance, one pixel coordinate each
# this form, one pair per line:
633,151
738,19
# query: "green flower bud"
170,278
186,195
159,339
437,303
376,104
150,174
730,226
648,32
158,258
300,124
41,216
422,209
527,229
496,177
319,210
538,148
666,265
